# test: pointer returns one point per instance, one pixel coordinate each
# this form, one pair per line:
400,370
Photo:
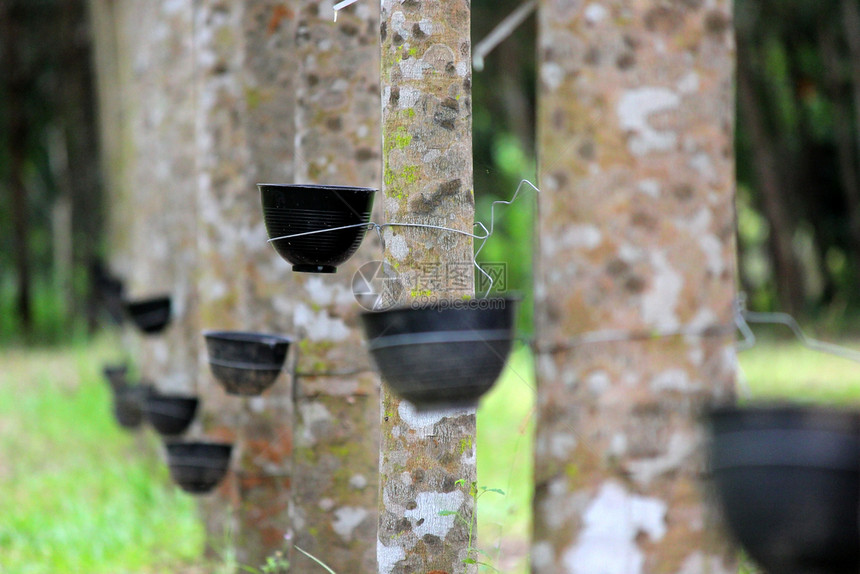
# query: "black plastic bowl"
170,415
246,363
788,478
293,209
198,467
150,315
116,375
128,404
442,355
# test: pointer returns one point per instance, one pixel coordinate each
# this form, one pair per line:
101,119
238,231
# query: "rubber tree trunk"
245,104
103,22
153,211
337,392
427,178
636,246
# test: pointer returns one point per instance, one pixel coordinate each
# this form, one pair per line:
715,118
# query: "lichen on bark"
426,467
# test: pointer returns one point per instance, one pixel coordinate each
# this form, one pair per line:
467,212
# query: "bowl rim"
247,336
284,186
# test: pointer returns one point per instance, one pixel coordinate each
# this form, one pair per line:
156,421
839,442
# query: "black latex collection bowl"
198,467
788,479
442,355
151,316
293,209
128,404
116,375
246,363
170,415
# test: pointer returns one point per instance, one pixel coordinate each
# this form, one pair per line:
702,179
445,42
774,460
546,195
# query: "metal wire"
744,317
486,233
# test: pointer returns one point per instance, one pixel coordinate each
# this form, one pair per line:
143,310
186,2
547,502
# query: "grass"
79,494
505,431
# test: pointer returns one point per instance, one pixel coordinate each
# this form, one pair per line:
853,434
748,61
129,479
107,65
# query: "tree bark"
427,178
337,392
245,104
634,282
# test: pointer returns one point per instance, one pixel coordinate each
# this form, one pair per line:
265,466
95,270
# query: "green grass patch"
506,420
79,494
785,370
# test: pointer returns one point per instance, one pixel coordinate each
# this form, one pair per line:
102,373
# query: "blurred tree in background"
49,177
798,151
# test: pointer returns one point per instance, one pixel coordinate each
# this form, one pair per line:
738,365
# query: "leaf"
496,490
447,513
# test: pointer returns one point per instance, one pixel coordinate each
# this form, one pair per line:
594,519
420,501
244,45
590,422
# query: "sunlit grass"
77,493
785,370
505,432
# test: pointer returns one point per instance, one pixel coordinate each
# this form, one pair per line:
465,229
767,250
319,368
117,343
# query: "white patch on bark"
582,236
429,504
408,97
660,302
702,163
313,414
552,75
634,109
412,69
697,563
672,380
319,326
426,26
650,187
396,245
387,557
542,556
681,447
598,382
398,25
325,293
594,13
689,84
358,482
561,445
422,422
347,519
612,521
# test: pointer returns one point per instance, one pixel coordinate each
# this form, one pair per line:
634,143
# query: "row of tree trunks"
636,238
637,244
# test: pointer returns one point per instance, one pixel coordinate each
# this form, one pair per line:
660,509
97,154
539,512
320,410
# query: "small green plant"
475,492
275,564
